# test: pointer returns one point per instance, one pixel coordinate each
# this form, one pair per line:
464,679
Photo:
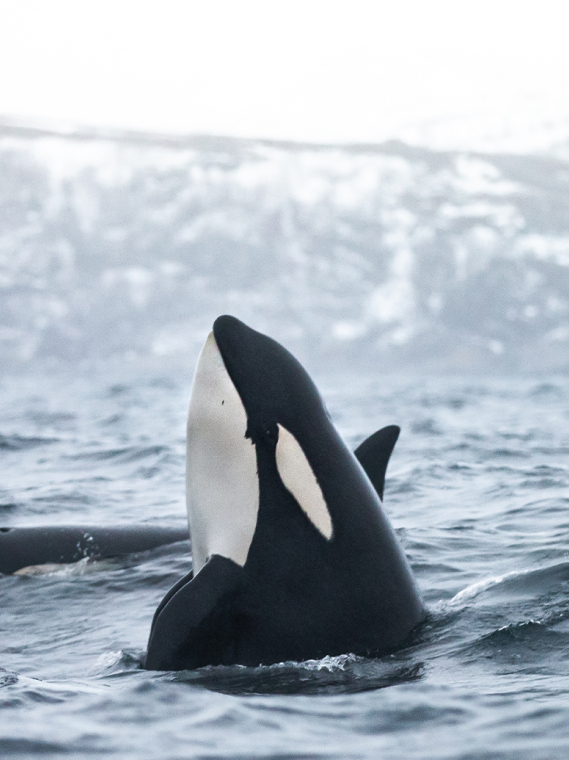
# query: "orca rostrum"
293,556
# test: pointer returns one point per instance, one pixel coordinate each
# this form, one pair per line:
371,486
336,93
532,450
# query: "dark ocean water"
477,489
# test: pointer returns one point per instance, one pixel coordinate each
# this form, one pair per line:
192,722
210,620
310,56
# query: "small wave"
118,389
51,418
342,674
551,450
514,632
116,663
426,427
541,484
516,583
471,592
326,663
128,454
21,746
529,435
72,497
70,570
7,678
36,690
520,643
19,443
505,453
546,389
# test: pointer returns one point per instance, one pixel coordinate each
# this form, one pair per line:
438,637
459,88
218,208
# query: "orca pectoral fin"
373,455
175,588
193,625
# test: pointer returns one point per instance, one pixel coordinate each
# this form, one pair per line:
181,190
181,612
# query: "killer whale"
23,547
36,546
293,557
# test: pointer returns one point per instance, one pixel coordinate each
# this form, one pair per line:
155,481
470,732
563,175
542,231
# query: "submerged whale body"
293,557
24,547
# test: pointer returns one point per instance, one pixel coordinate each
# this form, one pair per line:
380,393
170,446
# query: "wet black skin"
299,596
54,544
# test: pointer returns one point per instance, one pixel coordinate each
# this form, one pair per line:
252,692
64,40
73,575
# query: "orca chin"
293,556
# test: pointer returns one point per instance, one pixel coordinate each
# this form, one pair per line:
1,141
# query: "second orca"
24,548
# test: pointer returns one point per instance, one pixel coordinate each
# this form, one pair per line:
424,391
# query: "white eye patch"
298,477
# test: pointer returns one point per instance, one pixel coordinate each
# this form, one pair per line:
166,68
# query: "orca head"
250,397
274,387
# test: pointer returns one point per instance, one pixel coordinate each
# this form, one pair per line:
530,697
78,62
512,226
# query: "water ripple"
19,443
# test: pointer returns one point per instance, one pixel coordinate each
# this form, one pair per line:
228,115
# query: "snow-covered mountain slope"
382,256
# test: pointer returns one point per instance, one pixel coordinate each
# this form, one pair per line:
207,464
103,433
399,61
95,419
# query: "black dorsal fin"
373,455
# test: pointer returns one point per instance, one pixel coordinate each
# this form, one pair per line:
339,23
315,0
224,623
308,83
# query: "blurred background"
380,185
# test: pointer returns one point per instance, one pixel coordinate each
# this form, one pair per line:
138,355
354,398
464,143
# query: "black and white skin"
293,556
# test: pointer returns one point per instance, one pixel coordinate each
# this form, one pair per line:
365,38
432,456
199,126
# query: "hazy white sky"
320,70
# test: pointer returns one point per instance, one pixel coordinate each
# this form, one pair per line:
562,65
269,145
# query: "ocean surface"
477,490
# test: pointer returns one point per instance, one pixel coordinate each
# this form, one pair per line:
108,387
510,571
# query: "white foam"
81,567
470,592
328,663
